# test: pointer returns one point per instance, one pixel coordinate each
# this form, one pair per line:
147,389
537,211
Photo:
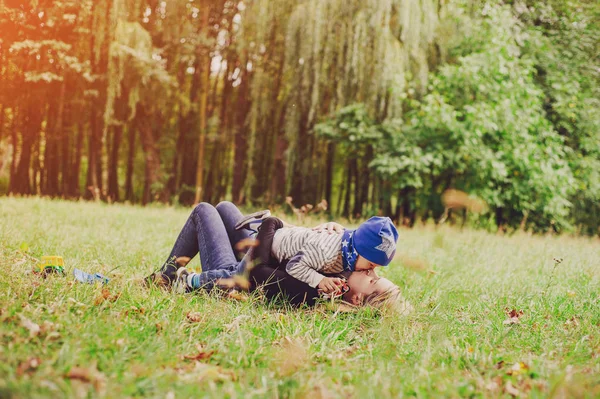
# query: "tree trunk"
53,138
66,154
113,164
130,158
75,189
240,141
329,174
348,189
203,104
1,121
152,167
31,130
92,183
359,180
15,143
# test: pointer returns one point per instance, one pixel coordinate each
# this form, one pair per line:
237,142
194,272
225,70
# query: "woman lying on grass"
284,252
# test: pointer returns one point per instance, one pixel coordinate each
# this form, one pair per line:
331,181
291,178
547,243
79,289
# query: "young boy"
308,254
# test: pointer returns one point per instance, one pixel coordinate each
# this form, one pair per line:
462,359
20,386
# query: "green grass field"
64,339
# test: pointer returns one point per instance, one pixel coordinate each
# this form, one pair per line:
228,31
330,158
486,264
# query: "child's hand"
330,284
331,227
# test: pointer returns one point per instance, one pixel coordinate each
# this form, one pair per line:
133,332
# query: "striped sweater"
308,252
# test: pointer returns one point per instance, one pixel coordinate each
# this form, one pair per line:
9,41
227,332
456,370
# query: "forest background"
376,106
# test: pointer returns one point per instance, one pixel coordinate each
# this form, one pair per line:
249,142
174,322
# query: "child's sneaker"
253,220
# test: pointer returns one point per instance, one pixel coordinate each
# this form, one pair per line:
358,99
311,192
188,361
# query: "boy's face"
363,264
364,283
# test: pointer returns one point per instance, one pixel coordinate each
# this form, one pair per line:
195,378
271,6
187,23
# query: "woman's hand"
331,284
330,227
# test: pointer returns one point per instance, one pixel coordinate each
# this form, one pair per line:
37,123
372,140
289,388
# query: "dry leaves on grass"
202,354
290,356
238,296
202,372
514,316
89,375
33,328
105,295
134,310
195,317
28,366
572,322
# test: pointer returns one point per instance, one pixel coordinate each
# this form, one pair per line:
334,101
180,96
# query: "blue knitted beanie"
375,240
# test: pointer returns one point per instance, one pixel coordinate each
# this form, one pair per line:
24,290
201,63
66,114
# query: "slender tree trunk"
358,190
240,141
329,174
31,130
113,164
75,187
66,153
92,183
152,167
130,158
203,104
14,138
1,121
348,188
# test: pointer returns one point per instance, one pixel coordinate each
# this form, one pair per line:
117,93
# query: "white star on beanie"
388,245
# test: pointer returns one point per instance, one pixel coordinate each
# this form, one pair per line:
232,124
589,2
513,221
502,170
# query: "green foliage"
352,128
505,121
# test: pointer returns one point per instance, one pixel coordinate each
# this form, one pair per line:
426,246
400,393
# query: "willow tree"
342,52
138,87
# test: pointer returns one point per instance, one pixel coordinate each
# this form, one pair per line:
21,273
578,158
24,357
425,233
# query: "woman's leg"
230,215
204,232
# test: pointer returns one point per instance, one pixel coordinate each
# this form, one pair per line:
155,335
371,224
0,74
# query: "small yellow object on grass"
50,264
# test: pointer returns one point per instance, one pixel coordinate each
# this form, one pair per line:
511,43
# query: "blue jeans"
211,232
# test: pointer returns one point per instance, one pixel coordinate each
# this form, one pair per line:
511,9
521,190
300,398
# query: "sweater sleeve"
305,264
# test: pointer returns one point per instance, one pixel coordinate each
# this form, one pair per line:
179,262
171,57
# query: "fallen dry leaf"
518,368
245,244
28,365
105,296
513,316
206,372
134,309
240,296
201,355
195,317
88,375
510,389
290,356
572,322
33,328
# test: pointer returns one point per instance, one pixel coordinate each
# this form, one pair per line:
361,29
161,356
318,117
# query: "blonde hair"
390,299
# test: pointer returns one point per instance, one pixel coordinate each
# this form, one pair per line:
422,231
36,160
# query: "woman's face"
363,284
